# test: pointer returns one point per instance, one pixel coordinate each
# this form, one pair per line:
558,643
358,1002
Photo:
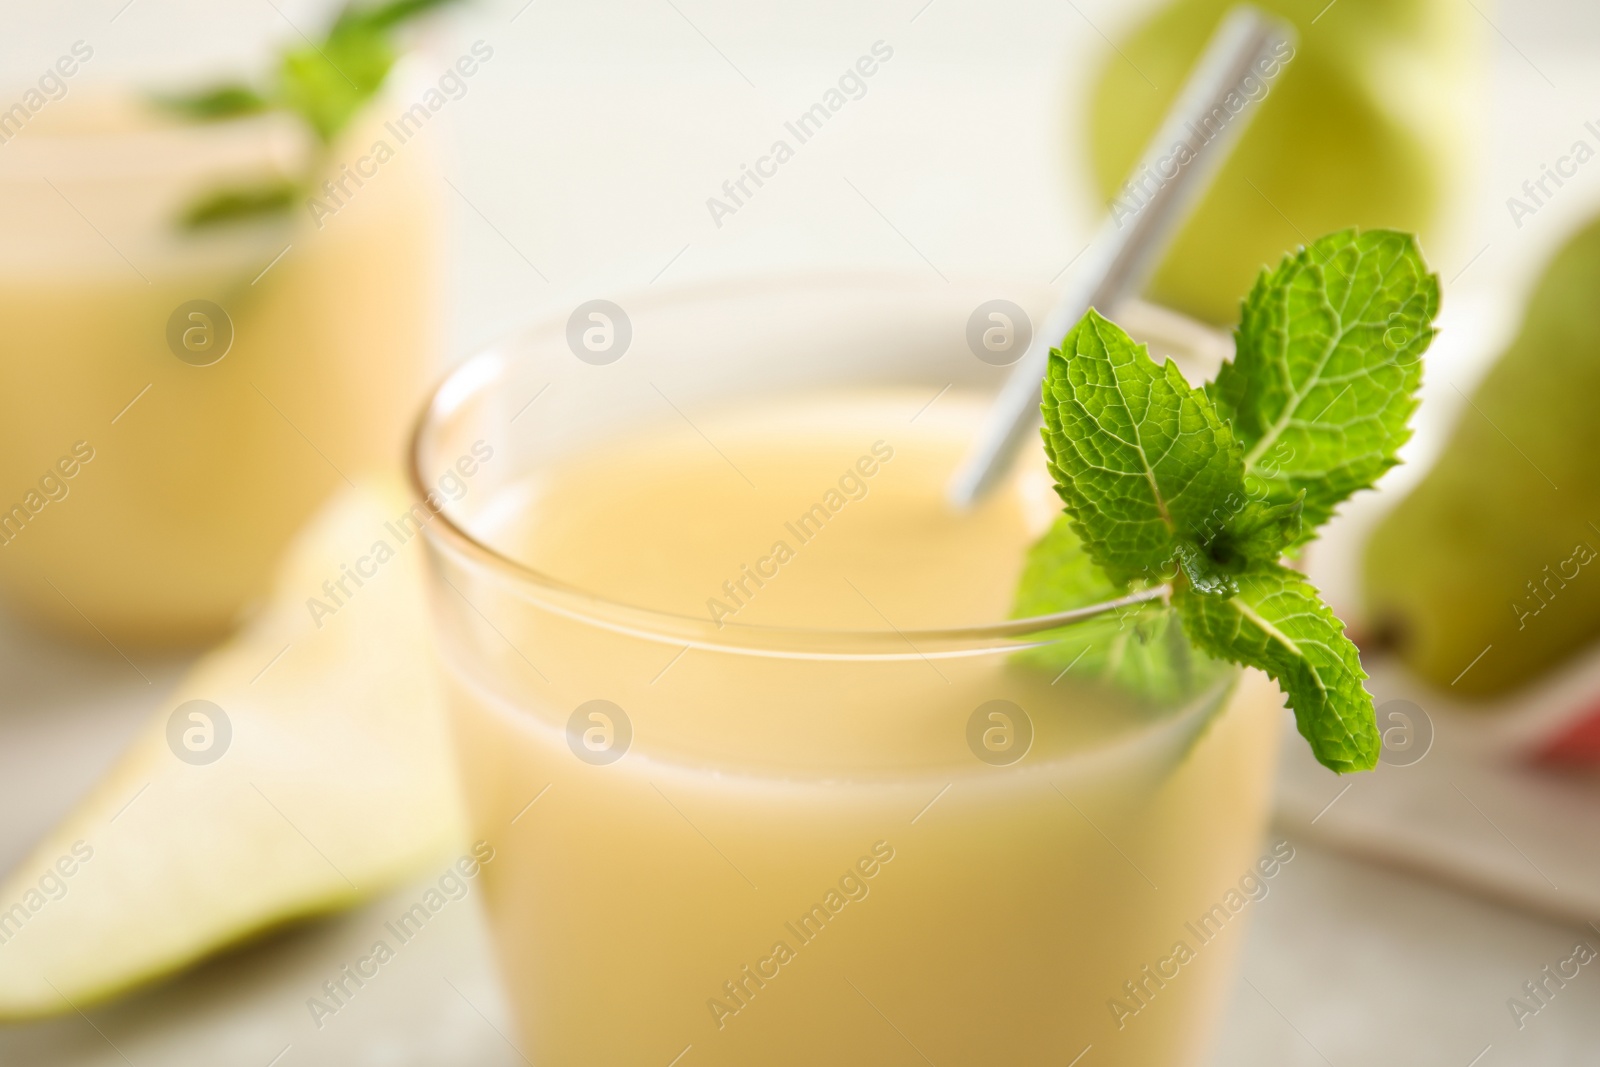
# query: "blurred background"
576,163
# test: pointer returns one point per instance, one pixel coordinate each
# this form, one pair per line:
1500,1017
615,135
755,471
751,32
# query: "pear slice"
324,780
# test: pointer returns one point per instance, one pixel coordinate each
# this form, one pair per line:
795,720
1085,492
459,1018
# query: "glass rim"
547,592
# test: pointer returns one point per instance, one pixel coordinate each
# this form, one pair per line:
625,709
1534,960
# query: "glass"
743,844
173,404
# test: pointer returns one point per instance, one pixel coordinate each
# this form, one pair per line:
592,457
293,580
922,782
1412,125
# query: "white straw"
1247,44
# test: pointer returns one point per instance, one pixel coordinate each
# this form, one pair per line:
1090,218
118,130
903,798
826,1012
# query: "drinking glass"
745,844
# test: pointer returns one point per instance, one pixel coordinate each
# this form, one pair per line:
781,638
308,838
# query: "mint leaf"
327,83
1327,366
240,203
384,16
1058,575
1277,622
1140,458
1141,649
214,104
1257,533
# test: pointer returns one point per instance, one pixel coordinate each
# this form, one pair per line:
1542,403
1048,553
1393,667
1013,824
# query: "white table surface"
587,148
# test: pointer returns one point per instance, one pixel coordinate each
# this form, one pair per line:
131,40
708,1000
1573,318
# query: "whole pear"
1496,548
1364,126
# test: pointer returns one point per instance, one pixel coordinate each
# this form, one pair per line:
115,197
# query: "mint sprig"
325,83
1203,491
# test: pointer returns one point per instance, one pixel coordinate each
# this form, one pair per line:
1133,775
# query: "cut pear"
325,779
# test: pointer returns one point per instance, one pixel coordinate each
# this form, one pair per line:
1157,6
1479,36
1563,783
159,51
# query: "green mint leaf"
214,104
1141,649
1140,458
327,84
1257,533
1278,623
1327,366
387,16
1058,575
241,203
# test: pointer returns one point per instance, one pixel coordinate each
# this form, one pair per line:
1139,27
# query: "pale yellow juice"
145,496
800,855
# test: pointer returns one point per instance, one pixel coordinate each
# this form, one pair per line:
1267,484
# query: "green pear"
331,782
1364,126
1493,554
